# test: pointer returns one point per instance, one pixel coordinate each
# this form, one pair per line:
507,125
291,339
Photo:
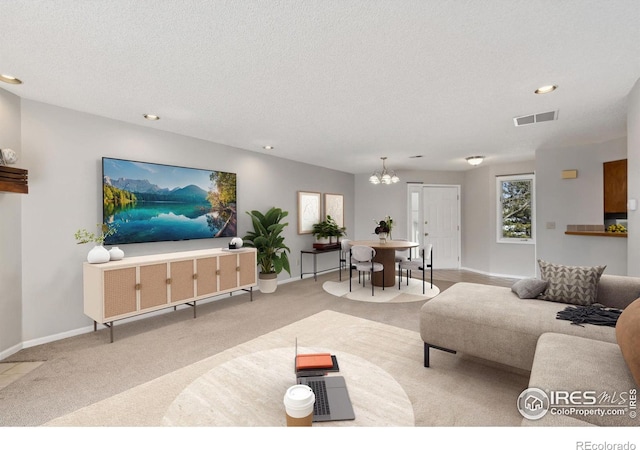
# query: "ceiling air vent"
535,118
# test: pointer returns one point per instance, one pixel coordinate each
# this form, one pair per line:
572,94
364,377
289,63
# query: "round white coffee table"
249,391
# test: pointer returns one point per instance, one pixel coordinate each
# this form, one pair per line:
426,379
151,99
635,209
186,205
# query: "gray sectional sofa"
495,324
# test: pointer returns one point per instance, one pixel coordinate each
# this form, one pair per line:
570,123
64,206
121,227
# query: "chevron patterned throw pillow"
577,285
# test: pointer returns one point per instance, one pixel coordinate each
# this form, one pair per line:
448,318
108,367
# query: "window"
516,208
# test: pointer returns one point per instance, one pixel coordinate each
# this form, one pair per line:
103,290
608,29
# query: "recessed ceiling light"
9,79
546,89
151,117
268,147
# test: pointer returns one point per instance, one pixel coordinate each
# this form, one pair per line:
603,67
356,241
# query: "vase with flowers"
383,228
98,254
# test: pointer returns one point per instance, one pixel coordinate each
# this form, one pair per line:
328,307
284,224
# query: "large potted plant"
267,239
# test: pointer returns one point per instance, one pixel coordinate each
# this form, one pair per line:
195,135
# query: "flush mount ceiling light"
546,89
151,117
475,160
9,79
268,147
384,177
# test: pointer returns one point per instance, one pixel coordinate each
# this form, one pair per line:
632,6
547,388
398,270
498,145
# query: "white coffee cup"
298,404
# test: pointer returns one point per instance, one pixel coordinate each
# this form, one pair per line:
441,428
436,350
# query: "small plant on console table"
98,254
325,232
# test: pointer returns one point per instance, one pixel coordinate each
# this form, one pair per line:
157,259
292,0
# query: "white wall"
10,233
577,201
63,149
374,202
633,180
481,251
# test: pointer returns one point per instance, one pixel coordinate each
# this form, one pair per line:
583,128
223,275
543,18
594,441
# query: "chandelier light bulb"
384,177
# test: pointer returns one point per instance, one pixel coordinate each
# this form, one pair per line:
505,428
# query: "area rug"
454,391
391,294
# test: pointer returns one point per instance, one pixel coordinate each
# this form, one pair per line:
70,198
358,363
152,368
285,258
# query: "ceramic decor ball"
9,156
237,242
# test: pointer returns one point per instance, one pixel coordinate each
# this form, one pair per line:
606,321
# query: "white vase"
116,254
383,238
98,254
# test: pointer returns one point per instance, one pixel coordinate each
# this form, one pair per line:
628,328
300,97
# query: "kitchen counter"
597,233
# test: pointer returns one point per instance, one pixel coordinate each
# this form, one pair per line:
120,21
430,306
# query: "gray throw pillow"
529,287
576,285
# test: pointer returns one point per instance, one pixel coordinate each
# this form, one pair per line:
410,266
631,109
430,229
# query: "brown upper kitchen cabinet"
615,186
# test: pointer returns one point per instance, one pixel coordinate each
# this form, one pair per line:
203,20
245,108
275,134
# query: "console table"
315,252
136,285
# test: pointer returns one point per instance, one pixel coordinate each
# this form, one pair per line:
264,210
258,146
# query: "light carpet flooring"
455,391
84,370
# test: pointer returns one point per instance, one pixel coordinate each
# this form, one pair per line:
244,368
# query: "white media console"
120,289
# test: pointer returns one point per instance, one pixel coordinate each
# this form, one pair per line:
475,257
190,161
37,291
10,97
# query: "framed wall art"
308,211
334,207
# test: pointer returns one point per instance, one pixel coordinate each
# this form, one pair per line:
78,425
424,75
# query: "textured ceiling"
337,83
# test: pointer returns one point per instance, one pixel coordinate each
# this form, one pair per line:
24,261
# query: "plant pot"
98,254
267,282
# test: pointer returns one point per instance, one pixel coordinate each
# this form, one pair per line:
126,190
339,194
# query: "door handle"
426,234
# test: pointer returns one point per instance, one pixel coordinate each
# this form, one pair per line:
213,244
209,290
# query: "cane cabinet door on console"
247,269
228,271
120,294
182,280
153,285
207,275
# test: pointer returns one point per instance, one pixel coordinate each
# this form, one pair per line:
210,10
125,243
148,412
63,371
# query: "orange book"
314,361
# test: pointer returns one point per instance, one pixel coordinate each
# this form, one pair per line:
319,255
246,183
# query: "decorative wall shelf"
14,180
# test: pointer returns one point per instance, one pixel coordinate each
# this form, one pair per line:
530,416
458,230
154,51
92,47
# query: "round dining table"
386,255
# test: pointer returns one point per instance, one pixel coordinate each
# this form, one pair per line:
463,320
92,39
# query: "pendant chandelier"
384,177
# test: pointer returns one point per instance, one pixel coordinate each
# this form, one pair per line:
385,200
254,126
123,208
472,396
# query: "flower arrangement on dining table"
384,226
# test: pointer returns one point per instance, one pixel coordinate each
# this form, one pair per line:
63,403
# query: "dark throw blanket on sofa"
596,315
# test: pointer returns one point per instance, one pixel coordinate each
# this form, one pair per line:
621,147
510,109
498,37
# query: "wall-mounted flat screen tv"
150,202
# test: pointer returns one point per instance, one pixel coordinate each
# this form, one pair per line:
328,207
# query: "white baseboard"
56,337
501,275
89,329
10,351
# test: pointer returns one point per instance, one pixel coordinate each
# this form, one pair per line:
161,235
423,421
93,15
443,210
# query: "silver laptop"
332,397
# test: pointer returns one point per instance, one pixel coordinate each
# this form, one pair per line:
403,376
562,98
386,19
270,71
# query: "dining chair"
404,254
422,264
345,245
361,257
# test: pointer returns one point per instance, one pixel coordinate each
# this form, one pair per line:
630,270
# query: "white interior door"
441,226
